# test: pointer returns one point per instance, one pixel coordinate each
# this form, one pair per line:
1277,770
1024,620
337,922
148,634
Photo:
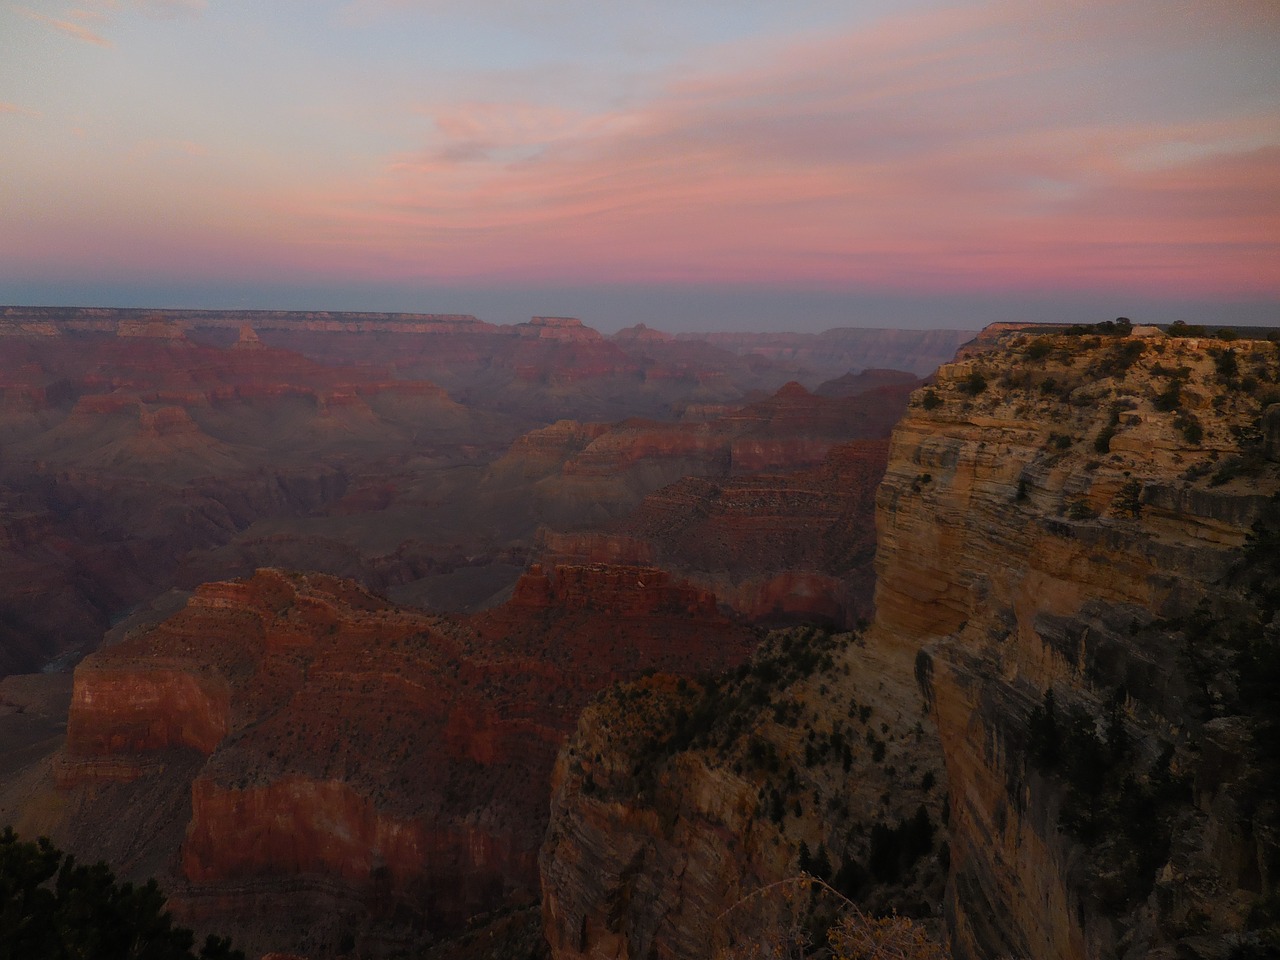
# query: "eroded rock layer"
776,547
1078,582
678,806
391,762
1055,513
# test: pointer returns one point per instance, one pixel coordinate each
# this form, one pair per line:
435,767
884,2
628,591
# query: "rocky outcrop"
1077,573
607,469
558,328
1053,508
347,747
675,803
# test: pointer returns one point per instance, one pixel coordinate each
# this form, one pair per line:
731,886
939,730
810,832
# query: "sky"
690,164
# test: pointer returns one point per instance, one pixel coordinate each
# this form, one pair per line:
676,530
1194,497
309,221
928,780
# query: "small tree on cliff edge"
52,907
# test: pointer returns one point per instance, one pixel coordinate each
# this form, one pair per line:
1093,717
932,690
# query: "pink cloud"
980,148
77,31
15,110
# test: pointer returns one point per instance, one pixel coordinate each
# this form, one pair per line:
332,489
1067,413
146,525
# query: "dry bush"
803,918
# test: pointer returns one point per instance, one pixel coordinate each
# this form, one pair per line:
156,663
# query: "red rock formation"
778,547
1068,573
558,328
130,710
403,756
142,451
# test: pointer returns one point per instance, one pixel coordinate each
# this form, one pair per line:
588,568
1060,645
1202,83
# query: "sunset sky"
687,163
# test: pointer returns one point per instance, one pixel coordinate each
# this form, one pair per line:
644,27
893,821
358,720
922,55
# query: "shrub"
1128,501
974,383
1079,509
1102,442
1191,429
930,400
1170,398
1121,358
1039,349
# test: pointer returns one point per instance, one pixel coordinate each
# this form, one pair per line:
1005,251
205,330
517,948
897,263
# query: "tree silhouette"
52,907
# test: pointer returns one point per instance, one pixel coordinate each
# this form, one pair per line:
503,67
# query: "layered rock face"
778,547
1077,585
360,765
769,506
125,457
677,803
147,450
1054,513
611,467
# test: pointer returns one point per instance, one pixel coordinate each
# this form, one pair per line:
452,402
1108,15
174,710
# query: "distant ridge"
107,319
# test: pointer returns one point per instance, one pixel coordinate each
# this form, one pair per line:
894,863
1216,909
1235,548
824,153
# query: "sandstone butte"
293,746
1055,677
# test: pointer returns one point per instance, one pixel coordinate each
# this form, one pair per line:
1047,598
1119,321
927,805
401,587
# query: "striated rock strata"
1054,513
774,547
389,762
1078,579
676,801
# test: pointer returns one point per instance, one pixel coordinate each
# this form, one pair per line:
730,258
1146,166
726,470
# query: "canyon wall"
1056,513
1077,585
371,771
777,548
147,450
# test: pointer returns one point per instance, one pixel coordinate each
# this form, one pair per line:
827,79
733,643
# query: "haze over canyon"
414,635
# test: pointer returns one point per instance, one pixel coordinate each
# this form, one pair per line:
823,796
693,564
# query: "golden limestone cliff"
1062,531
1070,676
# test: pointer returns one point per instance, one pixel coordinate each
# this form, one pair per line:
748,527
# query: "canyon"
364,769
1074,638
317,744
149,451
386,622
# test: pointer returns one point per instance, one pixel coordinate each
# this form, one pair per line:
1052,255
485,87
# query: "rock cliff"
584,474
675,801
1078,579
362,766
1059,516
776,547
